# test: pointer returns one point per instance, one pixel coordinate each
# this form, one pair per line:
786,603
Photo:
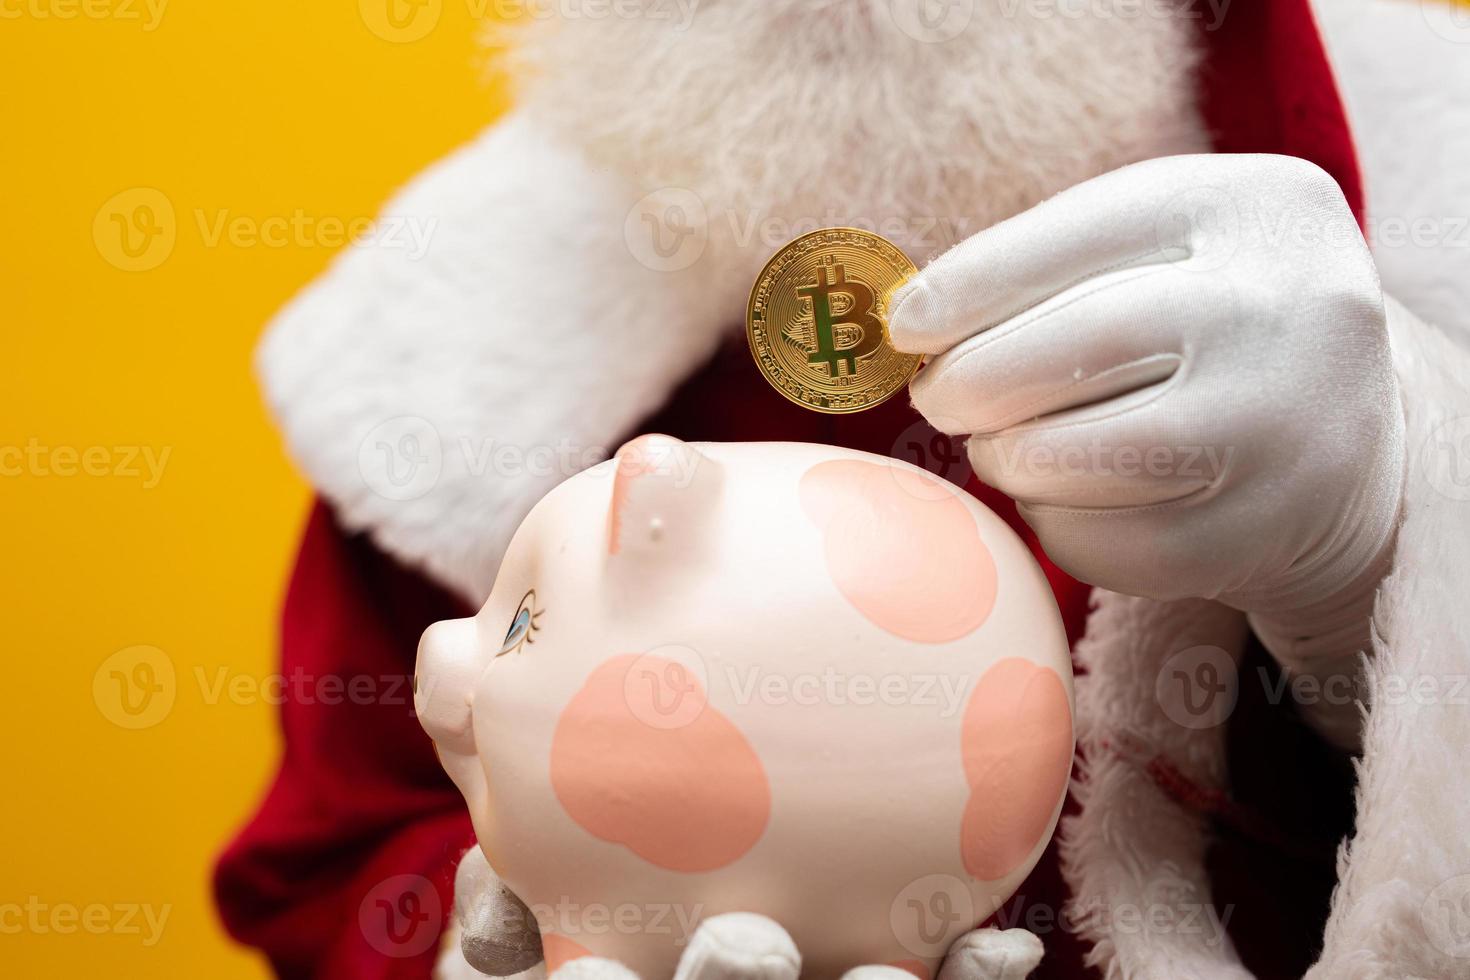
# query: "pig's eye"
523,625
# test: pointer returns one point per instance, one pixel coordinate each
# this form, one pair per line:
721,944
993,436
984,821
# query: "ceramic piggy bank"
789,679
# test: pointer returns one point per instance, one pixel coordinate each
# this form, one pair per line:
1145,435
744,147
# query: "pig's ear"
664,496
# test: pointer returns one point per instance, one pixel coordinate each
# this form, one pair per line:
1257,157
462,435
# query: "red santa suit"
346,869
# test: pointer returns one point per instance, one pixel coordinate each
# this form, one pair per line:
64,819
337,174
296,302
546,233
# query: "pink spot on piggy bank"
1016,741
902,548
640,758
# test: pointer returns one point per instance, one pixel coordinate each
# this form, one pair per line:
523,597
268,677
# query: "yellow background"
252,111
249,111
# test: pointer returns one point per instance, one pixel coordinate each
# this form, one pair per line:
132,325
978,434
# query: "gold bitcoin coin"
817,321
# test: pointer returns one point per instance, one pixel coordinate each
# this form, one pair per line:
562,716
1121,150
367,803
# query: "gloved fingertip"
989,461
739,946
992,954
911,314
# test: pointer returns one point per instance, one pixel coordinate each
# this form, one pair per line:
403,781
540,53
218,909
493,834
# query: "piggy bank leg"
992,954
499,937
985,954
739,946
733,946
452,965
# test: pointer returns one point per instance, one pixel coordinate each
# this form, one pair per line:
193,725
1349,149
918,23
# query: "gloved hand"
1181,371
499,938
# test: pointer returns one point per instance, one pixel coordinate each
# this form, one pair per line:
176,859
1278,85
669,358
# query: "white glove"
499,939
1181,371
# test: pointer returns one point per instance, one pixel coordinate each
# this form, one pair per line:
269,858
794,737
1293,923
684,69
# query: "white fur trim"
1402,908
1132,850
433,398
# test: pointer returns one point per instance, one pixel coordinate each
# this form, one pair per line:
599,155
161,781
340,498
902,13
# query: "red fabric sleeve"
347,868
1267,87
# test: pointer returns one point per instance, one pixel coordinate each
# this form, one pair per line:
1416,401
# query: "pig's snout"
444,684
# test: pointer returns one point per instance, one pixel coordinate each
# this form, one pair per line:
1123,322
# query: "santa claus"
1149,308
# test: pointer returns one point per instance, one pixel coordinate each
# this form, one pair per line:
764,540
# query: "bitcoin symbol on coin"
816,321
871,336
